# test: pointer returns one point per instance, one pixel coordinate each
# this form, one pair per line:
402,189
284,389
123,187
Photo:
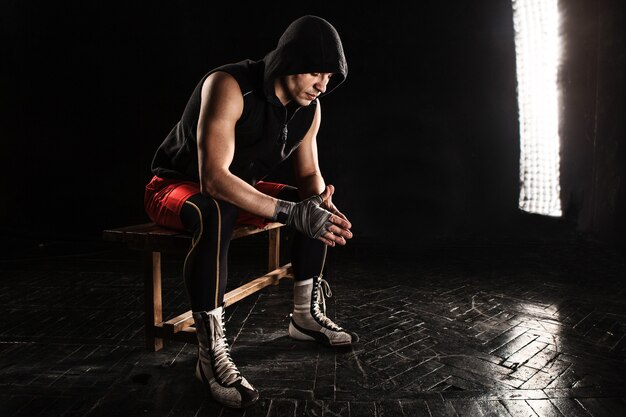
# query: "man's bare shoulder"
221,92
221,82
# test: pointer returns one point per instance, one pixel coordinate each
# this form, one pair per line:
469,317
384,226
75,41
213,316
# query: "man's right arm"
221,107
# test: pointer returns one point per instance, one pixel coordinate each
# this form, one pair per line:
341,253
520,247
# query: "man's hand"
313,220
338,229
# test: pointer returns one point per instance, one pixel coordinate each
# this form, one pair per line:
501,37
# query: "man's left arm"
308,175
306,168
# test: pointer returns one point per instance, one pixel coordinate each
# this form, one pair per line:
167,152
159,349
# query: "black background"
421,141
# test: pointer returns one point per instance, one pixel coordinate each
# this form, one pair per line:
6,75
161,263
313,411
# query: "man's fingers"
340,214
333,239
336,235
346,234
326,241
340,221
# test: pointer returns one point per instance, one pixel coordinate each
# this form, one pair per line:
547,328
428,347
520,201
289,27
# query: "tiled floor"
513,328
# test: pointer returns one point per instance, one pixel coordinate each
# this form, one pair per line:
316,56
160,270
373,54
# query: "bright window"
538,52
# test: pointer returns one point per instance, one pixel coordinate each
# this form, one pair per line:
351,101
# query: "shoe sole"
296,334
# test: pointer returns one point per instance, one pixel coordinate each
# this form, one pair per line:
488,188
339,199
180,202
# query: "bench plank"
152,237
182,321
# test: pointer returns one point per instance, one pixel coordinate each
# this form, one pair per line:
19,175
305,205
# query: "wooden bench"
153,240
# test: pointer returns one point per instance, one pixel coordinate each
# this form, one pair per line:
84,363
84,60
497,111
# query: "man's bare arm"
307,173
221,107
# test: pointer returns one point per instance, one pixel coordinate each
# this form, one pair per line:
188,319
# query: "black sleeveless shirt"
265,134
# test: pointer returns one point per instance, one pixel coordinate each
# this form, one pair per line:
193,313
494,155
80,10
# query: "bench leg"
153,306
274,249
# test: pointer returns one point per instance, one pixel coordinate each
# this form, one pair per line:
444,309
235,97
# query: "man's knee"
204,210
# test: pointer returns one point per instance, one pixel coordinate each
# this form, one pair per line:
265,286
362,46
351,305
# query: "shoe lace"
225,369
322,290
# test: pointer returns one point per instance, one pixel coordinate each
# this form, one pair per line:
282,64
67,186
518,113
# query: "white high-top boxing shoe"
215,367
309,321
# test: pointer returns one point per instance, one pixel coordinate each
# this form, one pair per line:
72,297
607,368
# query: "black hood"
309,44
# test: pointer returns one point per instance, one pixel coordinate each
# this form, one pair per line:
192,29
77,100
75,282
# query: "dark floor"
517,327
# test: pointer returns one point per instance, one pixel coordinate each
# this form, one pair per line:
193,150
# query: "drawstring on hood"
309,44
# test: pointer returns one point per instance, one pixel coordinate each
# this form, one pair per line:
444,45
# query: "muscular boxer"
240,122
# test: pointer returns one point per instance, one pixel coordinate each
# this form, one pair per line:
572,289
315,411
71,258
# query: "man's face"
304,88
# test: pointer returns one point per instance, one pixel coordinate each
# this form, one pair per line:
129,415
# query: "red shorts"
164,198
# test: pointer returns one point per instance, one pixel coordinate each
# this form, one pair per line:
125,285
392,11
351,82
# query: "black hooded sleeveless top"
267,132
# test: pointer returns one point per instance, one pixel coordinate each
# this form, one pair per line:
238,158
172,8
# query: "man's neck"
281,91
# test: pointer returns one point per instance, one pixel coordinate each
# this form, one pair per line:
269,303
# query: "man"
241,121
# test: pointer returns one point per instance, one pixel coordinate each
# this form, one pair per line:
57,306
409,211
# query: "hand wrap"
306,216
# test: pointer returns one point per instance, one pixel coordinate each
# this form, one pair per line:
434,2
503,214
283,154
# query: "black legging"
205,270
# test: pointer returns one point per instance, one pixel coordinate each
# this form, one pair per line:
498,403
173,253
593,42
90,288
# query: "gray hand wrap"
306,216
